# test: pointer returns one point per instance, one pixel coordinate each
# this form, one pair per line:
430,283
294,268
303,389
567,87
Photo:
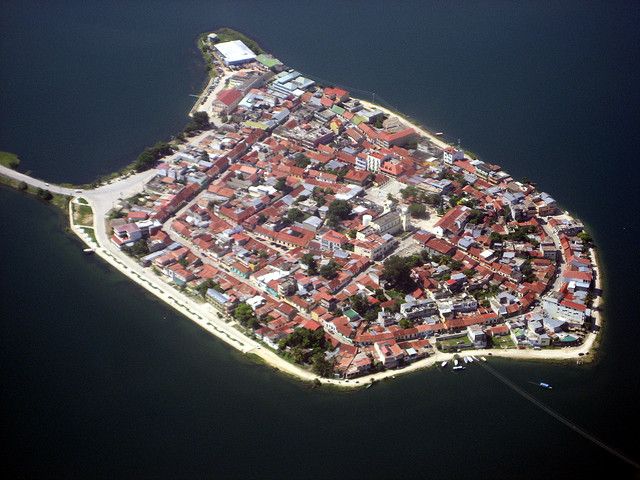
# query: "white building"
235,52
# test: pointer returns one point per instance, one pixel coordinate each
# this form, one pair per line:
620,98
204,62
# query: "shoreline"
204,315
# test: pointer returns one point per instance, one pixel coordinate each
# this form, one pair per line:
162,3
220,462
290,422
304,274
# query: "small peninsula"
335,239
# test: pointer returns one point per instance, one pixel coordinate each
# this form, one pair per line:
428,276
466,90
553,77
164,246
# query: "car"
46,185
78,190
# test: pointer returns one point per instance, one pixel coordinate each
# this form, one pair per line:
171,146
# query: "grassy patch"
454,343
9,160
82,215
228,34
91,233
83,201
504,341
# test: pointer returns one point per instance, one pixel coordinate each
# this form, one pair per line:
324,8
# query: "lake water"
100,379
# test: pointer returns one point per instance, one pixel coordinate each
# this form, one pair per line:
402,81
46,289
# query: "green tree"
330,270
340,209
321,366
397,271
310,262
405,323
206,285
44,194
140,249
417,210
295,215
244,314
281,185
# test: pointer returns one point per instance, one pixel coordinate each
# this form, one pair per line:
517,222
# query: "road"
34,182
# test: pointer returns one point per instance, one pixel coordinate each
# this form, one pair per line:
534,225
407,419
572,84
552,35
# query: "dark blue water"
99,379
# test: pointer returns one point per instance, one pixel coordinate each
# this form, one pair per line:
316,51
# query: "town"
346,239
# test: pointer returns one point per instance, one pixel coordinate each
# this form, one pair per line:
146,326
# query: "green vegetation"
397,271
205,49
60,201
330,270
419,196
417,210
206,285
301,160
281,185
199,121
9,160
504,341
138,249
92,234
308,260
150,155
521,234
338,210
227,34
321,366
295,215
586,239
302,345
245,316
405,323
454,343
82,214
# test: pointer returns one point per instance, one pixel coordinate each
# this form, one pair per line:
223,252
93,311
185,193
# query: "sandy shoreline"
205,316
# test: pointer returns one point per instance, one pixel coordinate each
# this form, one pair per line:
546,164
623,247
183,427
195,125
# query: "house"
389,353
477,336
333,240
224,303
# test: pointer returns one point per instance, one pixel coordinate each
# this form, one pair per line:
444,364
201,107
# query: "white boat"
474,357
470,359
88,250
483,359
459,367
455,362
545,385
439,133
466,359
443,364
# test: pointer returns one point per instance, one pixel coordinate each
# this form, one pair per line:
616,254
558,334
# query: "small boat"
439,133
474,357
459,367
545,385
484,359
470,359
466,359
88,250
455,362
443,364
369,386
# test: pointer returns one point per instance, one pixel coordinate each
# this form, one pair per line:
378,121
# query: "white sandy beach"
203,314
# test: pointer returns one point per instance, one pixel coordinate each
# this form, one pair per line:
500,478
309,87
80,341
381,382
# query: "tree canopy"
245,316
329,270
397,271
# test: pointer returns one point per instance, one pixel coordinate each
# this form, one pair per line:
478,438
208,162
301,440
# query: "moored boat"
443,364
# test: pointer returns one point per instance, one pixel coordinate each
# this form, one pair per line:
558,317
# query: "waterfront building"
235,52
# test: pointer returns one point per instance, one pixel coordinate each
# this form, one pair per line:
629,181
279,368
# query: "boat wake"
559,417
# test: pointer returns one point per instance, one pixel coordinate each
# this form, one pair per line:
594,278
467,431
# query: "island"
334,239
